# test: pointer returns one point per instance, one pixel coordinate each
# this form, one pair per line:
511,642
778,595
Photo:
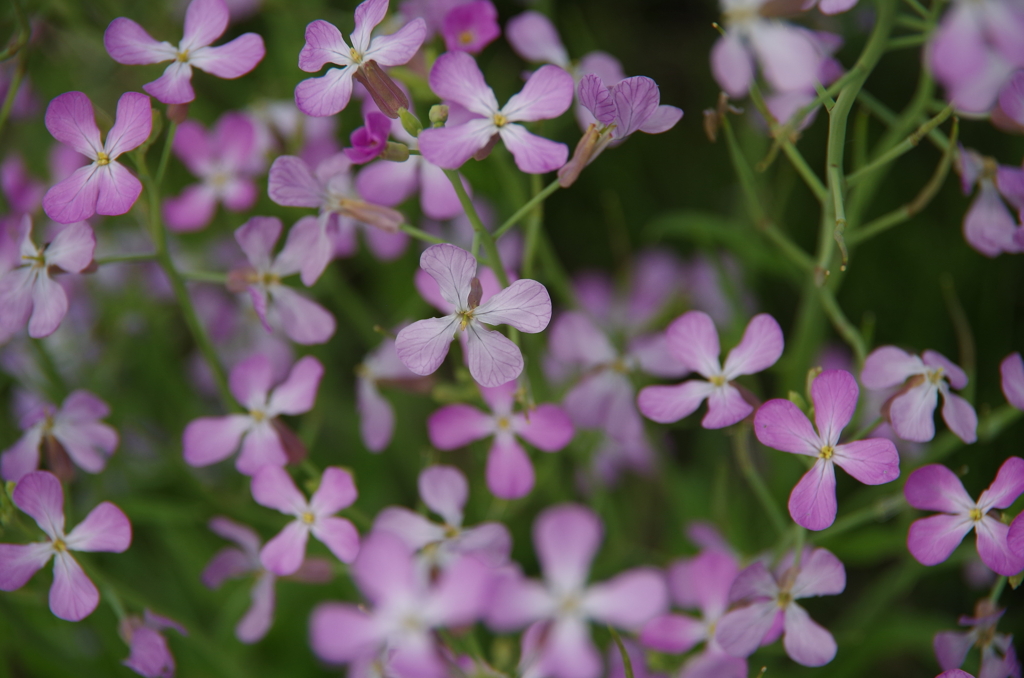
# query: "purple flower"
547,94
509,471
998,658
149,655
1011,99
406,607
781,425
232,562
376,416
274,488
27,292
281,125
24,194
73,596
830,6
693,341
911,410
493,359
566,538
935,488
104,186
205,20
225,160
444,490
329,188
702,583
265,439
771,597
73,431
303,320
1012,372
470,27
989,227
329,94
369,141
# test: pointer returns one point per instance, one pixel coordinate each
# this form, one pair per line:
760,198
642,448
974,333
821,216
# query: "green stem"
883,509
166,154
905,41
478,226
533,225
126,258
890,119
421,235
997,589
794,155
527,208
917,7
741,447
13,86
839,210
205,276
905,146
843,326
24,33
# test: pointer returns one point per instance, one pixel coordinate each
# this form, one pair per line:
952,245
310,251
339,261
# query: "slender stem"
839,210
917,7
13,87
913,23
794,155
896,151
741,447
843,326
905,41
205,276
883,509
24,33
478,226
421,235
126,258
58,387
890,119
997,589
533,225
964,335
526,209
166,154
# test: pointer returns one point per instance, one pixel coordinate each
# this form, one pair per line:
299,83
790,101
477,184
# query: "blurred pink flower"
1012,372
149,655
470,27
23,193
376,416
370,140
998,658
989,226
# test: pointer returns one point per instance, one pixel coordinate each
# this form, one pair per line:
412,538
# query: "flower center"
976,514
826,452
569,605
102,159
308,518
182,56
500,120
59,545
35,261
257,415
465,318
450,531
466,37
504,423
357,57
784,599
717,380
267,279
935,376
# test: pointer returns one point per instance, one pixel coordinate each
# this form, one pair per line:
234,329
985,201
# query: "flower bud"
384,218
395,152
410,123
390,99
438,115
177,113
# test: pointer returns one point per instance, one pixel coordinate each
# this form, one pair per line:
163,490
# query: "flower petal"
227,563
668,404
22,457
337,491
413,529
673,633
117,189
438,199
284,553
132,126
376,416
208,440
174,86
935,488
128,43
49,306
399,47
989,227
232,59
193,210
297,393
662,119
789,58
704,582
40,495
342,632
518,601
340,536
732,65
492,358
960,417
257,620
547,427
533,154
951,371
106,528
509,471
994,549
18,562
73,596
290,182
205,21
534,38
566,538
547,94
326,95
781,425
74,198
444,490
569,652
726,406
455,426
575,339
807,642
759,349
693,340
70,119
821,574
303,320
912,413
1008,485
889,366
740,632
525,305
460,594
389,183
629,599
422,346
1012,372
324,45
453,268
1015,536
931,540
274,488
456,77
812,503
834,394
873,461
636,99
384,569
451,147
951,648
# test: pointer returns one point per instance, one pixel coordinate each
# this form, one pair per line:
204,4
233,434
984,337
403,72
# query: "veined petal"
326,95
935,488
455,426
547,94
821,574
303,320
284,553
40,495
117,189
208,440
812,504
453,268
399,47
960,416
257,238
1008,485
889,366
232,59
49,305
128,43
297,393
912,413
534,38
509,471
451,147
368,15
636,99
566,538
339,535
693,340
290,182
873,461
70,119
525,305
726,406
732,65
174,86
423,345
662,119
205,21
337,491
493,359
1011,370
324,45
668,404
456,77
931,540
596,98
106,528
807,642
994,549
781,425
73,199
73,596
133,124
834,394
444,490
759,349
533,154
629,599
740,632
18,562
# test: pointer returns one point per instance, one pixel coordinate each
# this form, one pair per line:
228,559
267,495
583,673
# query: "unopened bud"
384,218
57,459
390,99
711,120
410,123
589,147
292,444
177,113
395,152
476,292
438,115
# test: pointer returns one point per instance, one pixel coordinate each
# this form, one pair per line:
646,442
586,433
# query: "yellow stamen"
784,599
182,56
465,316
450,531
717,380
257,415
308,517
59,545
102,159
500,120
466,37
356,56
504,423
826,452
935,376
976,514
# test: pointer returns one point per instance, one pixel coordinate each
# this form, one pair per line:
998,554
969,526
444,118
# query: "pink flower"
23,193
73,596
281,125
1011,98
28,293
493,359
225,160
509,471
274,488
911,410
444,490
1012,372
781,425
74,430
566,538
404,609
330,93
935,488
303,320
693,341
547,94
470,27
205,20
989,226
265,439
772,610
105,186
292,183
370,140
831,6
376,416
998,658
149,655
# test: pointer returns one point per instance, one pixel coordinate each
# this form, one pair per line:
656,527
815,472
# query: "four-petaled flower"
148,654
205,20
998,658
470,27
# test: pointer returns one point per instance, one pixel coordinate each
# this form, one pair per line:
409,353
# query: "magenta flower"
329,188
205,20
28,293
445,491
470,27
232,562
935,488
23,193
509,471
277,304
225,160
370,140
702,583
376,416
493,359
547,94
566,538
1012,372
149,655
391,183
73,596
105,186
998,658
781,425
274,488
330,93
772,610
406,607
1011,99
693,341
265,439
989,226
911,410
72,431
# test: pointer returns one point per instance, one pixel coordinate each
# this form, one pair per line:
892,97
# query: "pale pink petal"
205,21
89,445
1011,99
889,366
303,320
423,345
297,393
451,147
384,245
821,574
566,538
305,238
208,440
341,633
951,371
533,154
412,528
324,45
836,6
951,648
340,536
812,503
452,268
257,237
547,427
740,632
834,394
232,59
133,124
376,416
40,495
389,183
911,413
22,457
673,633
652,354
931,540
569,652
789,58
73,199
174,86
726,406
384,569
291,183
781,425
518,601
369,14
994,549
754,582
193,210
326,95
1012,372
438,199
575,339
283,554
668,404
635,99
1008,485
662,119
260,615
274,488
534,38
509,471
117,189
629,599
227,563
337,491
250,380
714,664
18,562
106,528
704,582
759,349
597,98
456,77
70,119
445,491
693,340
399,47
872,462
491,542
49,305
241,534
525,305
128,43
261,447
492,358
732,65
960,417
239,194
547,94
73,596
1015,536
460,595
805,641
989,227
935,488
